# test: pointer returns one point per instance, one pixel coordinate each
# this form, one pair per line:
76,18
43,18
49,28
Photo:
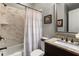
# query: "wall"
62,14
47,8
13,32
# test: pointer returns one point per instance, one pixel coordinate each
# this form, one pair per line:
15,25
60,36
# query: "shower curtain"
33,31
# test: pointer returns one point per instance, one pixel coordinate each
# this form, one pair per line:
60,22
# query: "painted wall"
47,8
62,14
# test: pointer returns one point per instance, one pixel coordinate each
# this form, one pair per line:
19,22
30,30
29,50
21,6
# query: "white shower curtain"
33,31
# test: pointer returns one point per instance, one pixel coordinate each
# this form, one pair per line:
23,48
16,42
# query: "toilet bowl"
40,52
37,52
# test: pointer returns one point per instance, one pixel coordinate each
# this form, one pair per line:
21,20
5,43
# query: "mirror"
67,17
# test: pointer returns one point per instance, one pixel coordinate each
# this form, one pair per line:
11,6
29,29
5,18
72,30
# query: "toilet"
40,52
37,52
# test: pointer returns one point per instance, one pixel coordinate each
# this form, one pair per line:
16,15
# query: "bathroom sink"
67,45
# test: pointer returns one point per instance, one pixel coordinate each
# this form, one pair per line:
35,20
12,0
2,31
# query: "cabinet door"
51,50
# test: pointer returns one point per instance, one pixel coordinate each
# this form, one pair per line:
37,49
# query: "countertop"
53,40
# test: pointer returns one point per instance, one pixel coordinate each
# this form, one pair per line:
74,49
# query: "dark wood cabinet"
52,50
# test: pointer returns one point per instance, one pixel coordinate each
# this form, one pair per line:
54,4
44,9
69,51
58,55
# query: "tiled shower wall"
13,32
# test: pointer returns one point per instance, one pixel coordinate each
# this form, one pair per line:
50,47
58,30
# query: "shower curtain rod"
28,7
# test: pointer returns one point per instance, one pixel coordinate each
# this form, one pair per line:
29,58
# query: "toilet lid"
37,52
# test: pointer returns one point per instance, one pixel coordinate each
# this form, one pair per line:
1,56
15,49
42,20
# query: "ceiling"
72,6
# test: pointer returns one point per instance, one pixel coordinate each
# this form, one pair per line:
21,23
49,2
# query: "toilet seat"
37,52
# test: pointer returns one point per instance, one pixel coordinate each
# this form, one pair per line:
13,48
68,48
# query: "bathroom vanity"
56,48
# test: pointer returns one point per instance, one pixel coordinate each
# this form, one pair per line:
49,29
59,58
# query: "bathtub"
18,53
16,50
